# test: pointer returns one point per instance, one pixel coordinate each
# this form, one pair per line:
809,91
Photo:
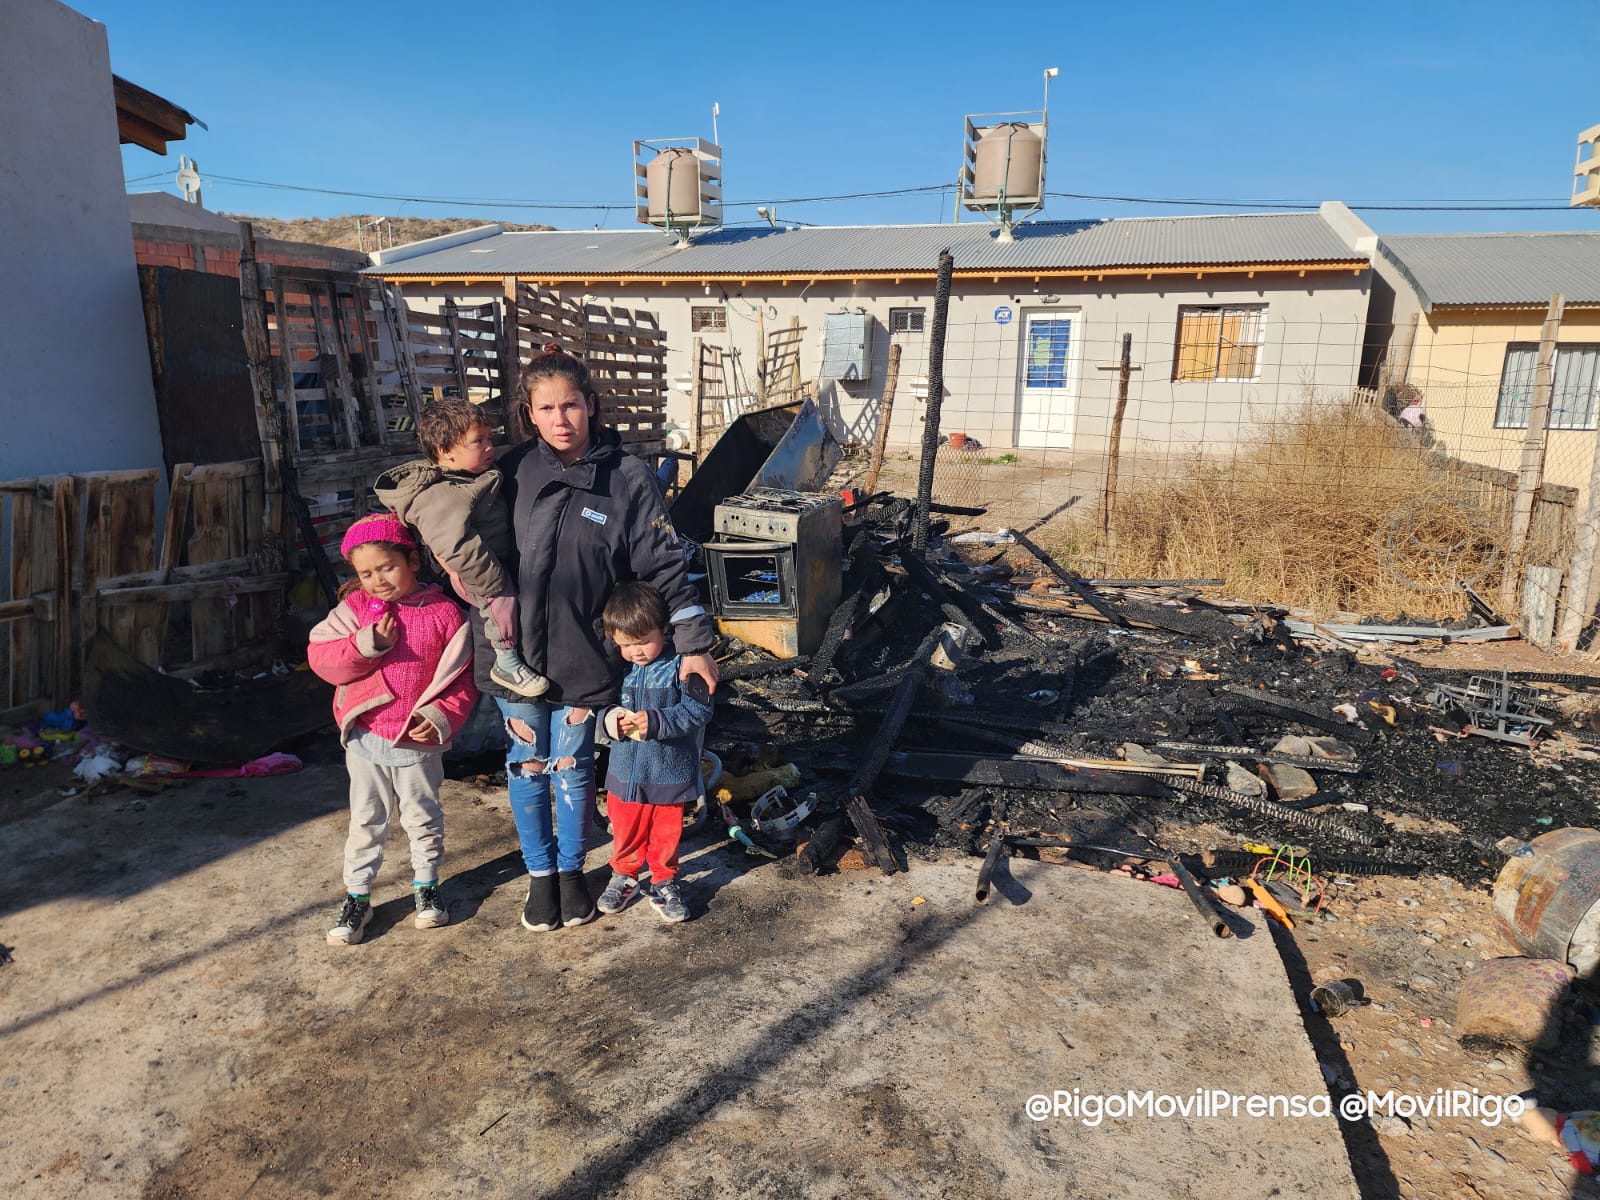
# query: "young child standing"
655,755
400,656
452,499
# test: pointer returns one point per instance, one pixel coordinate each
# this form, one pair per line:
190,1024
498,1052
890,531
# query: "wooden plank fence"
625,350
195,598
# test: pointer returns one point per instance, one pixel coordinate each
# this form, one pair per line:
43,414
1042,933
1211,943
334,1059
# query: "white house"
1228,314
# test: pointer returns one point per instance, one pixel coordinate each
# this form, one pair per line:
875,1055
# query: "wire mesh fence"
1331,465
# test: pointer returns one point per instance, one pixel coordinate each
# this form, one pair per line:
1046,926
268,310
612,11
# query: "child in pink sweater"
399,655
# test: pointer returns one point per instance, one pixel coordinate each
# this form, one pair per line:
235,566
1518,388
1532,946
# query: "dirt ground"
172,1023
175,1025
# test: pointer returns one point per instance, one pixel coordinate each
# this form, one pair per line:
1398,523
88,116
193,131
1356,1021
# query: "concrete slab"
175,1026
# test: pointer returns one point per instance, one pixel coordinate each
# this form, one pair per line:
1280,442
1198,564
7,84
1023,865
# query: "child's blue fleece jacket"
664,768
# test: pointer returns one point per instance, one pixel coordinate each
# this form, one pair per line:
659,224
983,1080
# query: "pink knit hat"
379,527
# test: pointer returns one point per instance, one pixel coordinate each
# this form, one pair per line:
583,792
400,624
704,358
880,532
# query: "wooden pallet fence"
345,381
327,346
38,537
625,350
206,598
194,593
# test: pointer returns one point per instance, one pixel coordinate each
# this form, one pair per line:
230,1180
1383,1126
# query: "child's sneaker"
510,672
430,910
618,892
667,900
351,927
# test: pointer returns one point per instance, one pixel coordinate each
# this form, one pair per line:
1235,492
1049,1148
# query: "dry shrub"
1327,506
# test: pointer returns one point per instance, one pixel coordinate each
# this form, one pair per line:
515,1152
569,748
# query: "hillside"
341,231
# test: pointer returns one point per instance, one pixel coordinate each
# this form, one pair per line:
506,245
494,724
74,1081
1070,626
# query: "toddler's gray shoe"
619,891
668,902
512,673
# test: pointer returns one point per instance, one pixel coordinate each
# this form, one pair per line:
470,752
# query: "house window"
1219,344
906,320
1573,391
708,318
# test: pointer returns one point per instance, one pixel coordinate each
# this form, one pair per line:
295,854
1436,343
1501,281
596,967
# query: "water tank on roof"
1006,166
672,184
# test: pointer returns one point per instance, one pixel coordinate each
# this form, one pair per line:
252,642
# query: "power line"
1312,206
1509,205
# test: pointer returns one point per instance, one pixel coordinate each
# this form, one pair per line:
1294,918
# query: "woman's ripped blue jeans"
551,783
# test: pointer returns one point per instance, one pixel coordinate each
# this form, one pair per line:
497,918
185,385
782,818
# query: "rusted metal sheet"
1548,902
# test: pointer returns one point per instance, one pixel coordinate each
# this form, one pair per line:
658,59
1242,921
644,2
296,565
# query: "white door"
1047,383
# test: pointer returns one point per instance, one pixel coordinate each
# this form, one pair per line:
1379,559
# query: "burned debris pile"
982,697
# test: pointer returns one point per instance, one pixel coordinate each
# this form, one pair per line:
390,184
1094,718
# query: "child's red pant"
644,833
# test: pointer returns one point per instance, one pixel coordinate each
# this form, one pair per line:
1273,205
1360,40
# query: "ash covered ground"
1432,803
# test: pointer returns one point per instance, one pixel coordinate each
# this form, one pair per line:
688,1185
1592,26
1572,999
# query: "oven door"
752,579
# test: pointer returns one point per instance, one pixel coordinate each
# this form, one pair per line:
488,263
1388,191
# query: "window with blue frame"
1049,345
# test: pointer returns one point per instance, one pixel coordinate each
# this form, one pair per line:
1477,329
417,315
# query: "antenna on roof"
1003,160
189,178
678,185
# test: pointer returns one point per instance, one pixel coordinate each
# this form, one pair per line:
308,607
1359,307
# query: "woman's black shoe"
542,912
577,906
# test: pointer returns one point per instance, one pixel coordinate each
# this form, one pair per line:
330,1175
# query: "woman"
585,517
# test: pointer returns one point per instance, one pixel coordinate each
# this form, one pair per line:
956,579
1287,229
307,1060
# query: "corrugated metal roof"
1498,268
1042,245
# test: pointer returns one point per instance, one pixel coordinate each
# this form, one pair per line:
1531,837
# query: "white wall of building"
75,387
1311,348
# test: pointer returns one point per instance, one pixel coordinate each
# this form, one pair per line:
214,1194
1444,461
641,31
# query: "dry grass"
1330,507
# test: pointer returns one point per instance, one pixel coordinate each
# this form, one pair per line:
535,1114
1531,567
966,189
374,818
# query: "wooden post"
269,420
761,356
452,315
510,347
697,419
1531,471
64,642
1582,575
880,442
1108,499
794,370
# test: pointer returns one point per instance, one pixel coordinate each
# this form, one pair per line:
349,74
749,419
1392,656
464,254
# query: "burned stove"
774,566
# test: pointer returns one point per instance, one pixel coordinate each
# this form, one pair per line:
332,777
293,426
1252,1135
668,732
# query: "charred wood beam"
878,750
983,720
995,771
1200,899
1286,710
919,569
1343,766
1153,583
876,844
760,702
1228,725
870,687
762,668
1084,592
821,843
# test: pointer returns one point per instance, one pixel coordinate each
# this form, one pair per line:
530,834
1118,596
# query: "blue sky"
1411,100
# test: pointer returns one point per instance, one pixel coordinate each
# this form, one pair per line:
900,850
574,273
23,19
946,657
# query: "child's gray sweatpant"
375,791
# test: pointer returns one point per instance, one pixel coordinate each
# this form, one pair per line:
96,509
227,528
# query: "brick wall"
218,254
